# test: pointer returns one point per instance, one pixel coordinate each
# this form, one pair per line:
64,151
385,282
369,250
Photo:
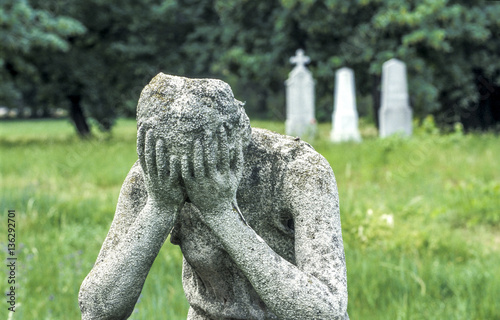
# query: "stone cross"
300,59
395,114
300,120
345,115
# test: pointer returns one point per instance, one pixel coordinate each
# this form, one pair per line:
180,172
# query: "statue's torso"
211,280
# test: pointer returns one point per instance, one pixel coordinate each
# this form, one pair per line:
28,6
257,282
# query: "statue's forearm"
112,288
289,292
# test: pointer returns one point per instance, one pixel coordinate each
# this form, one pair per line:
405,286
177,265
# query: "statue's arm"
316,287
142,223
312,196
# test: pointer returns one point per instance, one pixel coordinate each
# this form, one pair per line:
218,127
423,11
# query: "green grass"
438,258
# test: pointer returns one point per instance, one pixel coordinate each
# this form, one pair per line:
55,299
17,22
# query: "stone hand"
212,179
161,171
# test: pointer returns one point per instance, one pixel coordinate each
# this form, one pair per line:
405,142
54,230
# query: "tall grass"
421,221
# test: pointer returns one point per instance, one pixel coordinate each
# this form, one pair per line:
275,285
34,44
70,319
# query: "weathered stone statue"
255,214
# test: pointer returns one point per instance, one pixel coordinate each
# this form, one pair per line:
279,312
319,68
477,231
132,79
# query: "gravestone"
300,119
345,115
395,114
255,214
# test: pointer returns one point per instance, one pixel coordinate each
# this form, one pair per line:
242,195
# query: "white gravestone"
300,120
345,115
395,114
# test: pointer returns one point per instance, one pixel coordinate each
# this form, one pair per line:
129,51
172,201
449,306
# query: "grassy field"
420,218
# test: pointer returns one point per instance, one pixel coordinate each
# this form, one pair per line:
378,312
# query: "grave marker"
300,120
345,115
395,114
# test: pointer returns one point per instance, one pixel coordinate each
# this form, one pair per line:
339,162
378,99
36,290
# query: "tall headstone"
395,114
300,120
345,115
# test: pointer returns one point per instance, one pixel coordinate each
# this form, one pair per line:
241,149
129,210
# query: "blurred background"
421,216
90,59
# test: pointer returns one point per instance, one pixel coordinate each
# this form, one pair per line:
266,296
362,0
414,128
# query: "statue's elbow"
335,313
110,311
339,308
94,305
331,306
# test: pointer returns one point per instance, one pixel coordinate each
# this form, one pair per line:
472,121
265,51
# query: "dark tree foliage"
95,63
95,77
126,43
451,49
26,31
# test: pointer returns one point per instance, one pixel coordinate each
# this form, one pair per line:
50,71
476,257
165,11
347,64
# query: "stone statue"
255,214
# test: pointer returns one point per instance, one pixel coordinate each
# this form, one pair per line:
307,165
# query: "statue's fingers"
198,164
224,160
175,165
239,160
162,161
186,171
150,154
210,151
141,137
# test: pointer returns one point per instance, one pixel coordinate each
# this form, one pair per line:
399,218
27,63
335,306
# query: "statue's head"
180,110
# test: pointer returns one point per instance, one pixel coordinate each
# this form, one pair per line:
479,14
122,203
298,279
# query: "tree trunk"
77,116
376,98
482,115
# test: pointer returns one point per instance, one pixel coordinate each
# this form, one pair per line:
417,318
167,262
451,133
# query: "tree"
92,79
449,46
126,44
23,31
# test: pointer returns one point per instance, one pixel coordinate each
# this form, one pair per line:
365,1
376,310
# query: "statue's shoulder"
282,165
289,152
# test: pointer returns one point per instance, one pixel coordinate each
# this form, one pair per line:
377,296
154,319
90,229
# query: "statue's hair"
174,105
